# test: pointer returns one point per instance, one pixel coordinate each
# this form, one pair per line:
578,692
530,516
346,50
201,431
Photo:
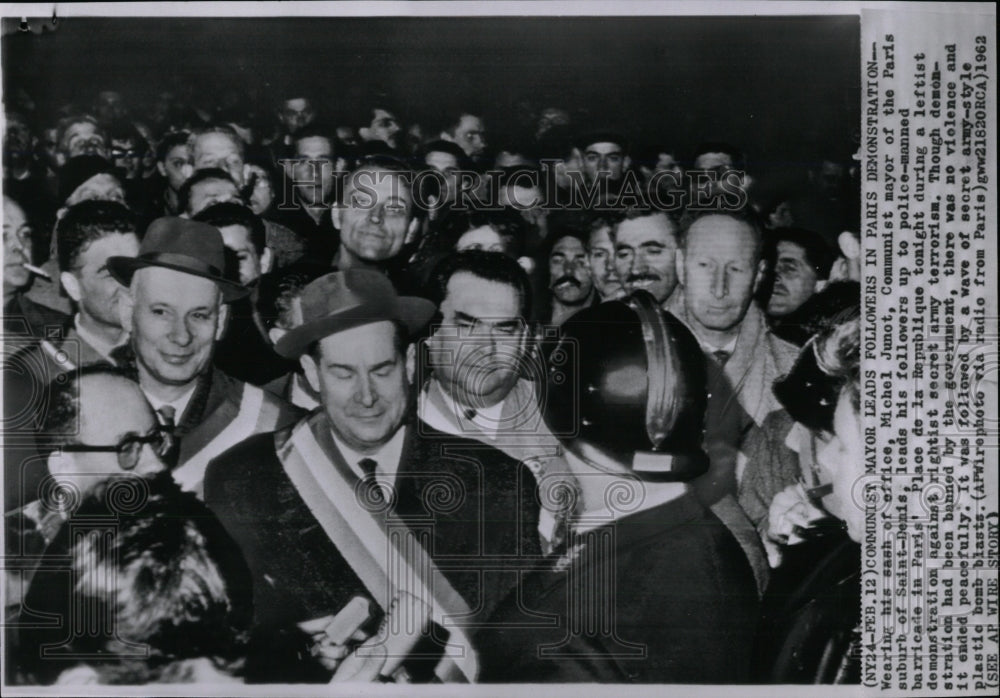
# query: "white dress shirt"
179,405
387,459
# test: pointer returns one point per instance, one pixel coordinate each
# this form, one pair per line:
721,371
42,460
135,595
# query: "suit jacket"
25,317
480,538
521,433
740,396
663,595
809,628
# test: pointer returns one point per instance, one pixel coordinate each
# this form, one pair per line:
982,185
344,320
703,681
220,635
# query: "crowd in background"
206,304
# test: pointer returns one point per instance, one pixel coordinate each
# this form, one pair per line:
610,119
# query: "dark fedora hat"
344,299
185,246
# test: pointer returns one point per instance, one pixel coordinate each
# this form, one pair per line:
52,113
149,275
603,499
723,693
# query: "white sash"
191,474
387,557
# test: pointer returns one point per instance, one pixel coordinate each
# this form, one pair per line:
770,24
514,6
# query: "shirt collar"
450,417
300,396
97,343
179,405
729,348
387,457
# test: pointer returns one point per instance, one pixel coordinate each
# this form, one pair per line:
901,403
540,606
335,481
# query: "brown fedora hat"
182,245
344,299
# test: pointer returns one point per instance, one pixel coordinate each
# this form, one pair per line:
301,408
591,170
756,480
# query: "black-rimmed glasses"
129,448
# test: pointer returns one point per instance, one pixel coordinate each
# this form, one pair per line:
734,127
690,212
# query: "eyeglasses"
129,448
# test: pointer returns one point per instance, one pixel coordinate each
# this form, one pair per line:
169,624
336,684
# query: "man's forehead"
215,141
297,104
480,298
791,250
707,161
80,128
604,148
371,340
714,231
440,159
470,122
383,182
600,236
314,146
656,226
123,244
567,243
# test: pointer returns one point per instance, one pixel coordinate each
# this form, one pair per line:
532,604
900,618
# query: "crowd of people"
335,397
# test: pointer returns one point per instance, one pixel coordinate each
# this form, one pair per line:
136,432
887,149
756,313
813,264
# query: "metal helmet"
629,379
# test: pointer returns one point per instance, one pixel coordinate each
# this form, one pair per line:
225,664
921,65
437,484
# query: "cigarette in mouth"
37,270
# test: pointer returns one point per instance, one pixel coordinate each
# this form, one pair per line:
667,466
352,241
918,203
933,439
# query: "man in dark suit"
319,509
653,588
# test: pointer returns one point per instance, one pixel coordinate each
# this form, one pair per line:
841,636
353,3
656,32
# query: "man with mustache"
646,252
482,382
801,268
571,286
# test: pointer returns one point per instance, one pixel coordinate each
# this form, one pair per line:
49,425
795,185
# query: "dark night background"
783,88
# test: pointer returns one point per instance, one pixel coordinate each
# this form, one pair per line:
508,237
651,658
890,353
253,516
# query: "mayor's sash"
381,549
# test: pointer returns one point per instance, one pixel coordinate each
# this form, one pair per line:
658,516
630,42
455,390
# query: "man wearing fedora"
305,503
175,312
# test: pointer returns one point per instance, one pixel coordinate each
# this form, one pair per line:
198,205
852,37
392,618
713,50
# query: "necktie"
371,490
722,356
166,414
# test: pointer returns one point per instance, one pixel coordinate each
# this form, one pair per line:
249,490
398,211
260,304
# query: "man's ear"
61,158
266,260
187,170
247,169
411,362
761,273
223,321
71,284
365,133
628,163
336,213
679,266
412,231
126,306
162,169
311,371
